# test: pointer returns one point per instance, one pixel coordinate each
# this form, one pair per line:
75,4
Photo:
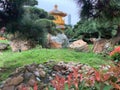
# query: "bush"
69,32
105,78
115,54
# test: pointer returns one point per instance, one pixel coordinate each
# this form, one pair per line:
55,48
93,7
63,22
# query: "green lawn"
16,59
4,41
12,60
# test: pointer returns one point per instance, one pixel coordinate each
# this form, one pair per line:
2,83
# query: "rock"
40,66
79,45
16,80
31,68
3,46
59,67
21,45
27,75
36,73
42,73
102,46
2,38
31,82
53,44
58,41
9,88
19,87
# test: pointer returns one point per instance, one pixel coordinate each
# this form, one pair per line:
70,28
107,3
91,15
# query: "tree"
85,29
106,16
33,24
27,21
69,31
11,10
104,13
24,21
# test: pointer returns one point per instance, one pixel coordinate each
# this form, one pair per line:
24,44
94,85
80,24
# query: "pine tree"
104,13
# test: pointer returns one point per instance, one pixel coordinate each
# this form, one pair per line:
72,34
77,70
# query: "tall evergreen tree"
24,21
104,13
12,10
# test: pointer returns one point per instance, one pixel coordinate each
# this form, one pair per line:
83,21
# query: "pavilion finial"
56,6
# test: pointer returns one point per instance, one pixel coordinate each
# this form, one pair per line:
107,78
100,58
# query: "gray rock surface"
3,46
60,39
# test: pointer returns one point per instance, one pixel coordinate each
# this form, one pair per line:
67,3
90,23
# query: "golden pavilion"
58,17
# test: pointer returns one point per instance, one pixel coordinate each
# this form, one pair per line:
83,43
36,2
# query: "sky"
67,6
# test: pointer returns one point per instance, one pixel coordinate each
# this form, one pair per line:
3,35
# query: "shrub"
115,54
105,78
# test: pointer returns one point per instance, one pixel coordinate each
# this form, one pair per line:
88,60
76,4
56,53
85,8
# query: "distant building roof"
55,11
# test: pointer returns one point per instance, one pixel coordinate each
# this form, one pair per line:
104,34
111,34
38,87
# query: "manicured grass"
15,59
12,60
4,41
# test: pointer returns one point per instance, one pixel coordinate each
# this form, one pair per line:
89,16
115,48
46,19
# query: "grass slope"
36,55
12,60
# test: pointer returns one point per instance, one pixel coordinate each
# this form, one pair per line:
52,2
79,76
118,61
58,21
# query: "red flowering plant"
58,82
73,80
115,54
91,80
35,87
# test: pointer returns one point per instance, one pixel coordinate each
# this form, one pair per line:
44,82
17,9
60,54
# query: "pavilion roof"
55,11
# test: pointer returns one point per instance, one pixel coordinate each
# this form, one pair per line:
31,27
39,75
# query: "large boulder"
58,41
79,45
3,46
21,45
2,38
102,46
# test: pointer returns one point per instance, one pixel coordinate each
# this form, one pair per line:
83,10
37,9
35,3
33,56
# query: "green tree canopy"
102,16
12,10
28,25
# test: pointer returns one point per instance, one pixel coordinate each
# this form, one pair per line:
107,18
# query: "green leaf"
97,86
51,88
66,87
81,85
107,87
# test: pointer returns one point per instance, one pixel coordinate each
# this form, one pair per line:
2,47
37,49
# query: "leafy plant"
58,83
98,18
115,54
35,87
105,78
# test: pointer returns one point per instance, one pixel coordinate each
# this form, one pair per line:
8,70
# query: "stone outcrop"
3,46
79,45
21,45
53,44
102,46
2,38
58,41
